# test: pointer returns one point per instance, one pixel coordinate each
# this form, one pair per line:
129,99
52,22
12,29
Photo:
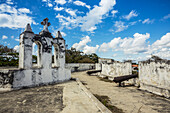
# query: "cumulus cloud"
134,45
62,2
89,49
16,48
71,12
4,37
148,21
14,18
114,12
9,2
79,3
95,15
50,5
82,45
163,42
24,10
91,19
58,8
63,34
132,14
120,26
138,44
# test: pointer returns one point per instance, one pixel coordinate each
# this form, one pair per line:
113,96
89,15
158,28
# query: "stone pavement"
66,97
129,99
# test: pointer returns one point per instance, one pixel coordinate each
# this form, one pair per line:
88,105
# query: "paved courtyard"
129,99
59,98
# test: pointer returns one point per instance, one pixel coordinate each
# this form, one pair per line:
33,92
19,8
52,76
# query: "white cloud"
164,41
148,21
58,8
95,15
50,5
9,2
63,34
92,29
12,37
17,39
4,8
114,12
89,21
89,49
4,37
120,26
12,18
62,2
165,17
79,3
104,47
134,45
71,12
24,10
132,14
82,43
16,48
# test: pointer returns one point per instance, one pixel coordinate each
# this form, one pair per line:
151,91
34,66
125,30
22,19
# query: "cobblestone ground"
44,99
129,99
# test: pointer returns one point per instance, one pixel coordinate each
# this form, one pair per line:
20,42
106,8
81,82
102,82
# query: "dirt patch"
44,99
106,101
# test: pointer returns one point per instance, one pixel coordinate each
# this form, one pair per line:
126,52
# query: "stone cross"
46,24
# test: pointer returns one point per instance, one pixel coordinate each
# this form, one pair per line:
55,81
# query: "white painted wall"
116,69
98,66
155,77
33,77
80,66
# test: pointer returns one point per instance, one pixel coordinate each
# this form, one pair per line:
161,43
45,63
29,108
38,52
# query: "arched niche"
55,55
36,54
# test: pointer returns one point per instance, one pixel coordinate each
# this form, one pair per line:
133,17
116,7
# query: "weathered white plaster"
116,69
80,66
98,66
155,77
44,71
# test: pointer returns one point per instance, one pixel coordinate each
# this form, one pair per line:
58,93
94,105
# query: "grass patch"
106,102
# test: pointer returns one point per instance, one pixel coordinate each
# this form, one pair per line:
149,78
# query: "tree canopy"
75,56
9,57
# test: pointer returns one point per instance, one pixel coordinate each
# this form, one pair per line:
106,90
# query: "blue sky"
118,29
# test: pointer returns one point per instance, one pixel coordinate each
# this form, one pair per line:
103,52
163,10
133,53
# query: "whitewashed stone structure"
110,68
80,66
154,76
44,72
116,69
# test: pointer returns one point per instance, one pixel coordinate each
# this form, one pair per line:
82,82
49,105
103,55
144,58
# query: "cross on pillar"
46,24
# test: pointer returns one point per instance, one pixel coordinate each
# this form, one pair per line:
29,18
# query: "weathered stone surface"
44,71
80,66
154,76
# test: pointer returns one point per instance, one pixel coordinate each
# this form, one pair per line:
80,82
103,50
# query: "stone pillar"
25,50
61,46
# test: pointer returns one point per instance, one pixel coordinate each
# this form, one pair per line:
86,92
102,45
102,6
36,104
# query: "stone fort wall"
154,76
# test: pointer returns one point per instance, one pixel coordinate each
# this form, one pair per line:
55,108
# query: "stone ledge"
97,103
